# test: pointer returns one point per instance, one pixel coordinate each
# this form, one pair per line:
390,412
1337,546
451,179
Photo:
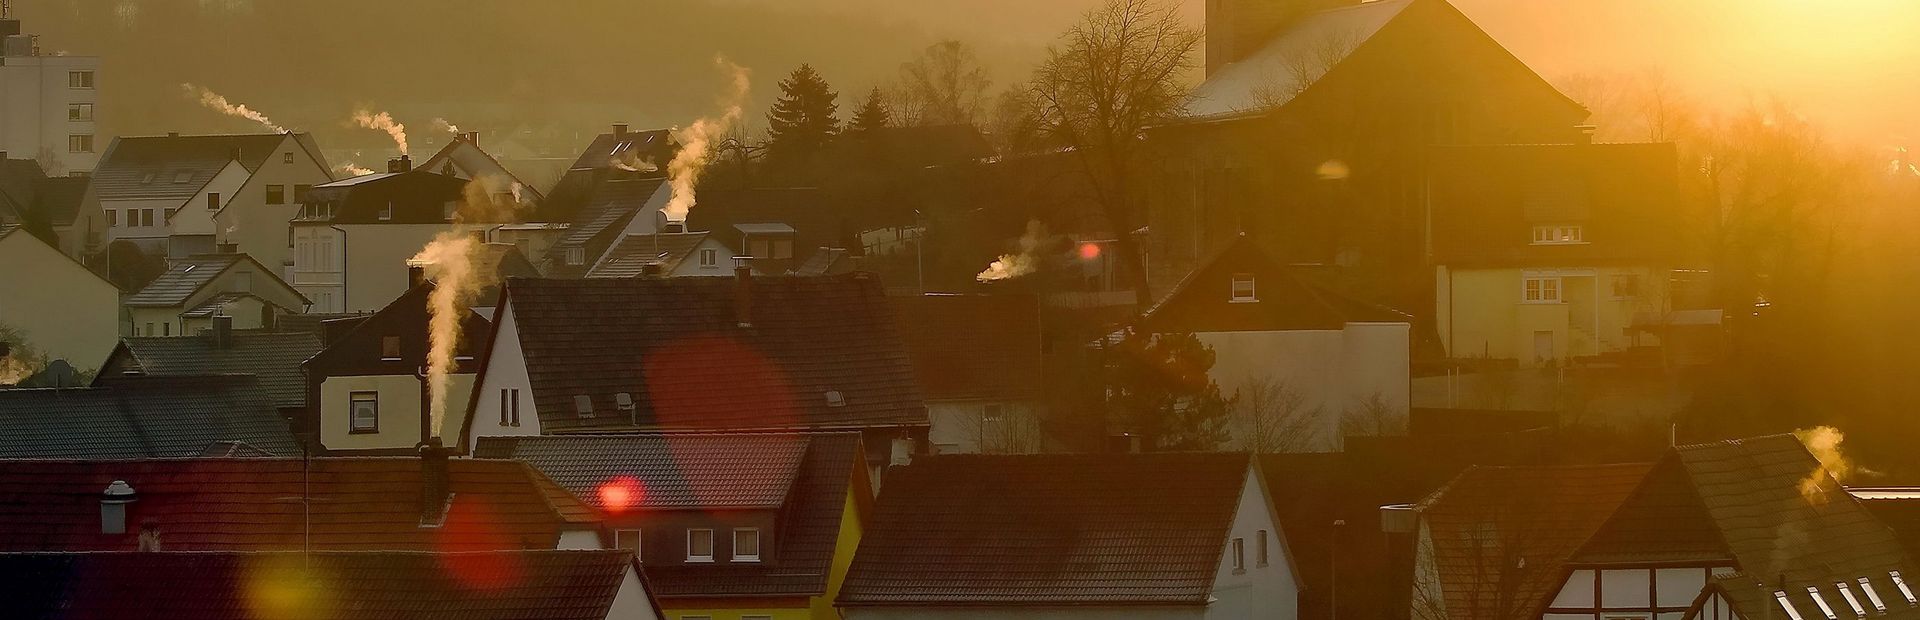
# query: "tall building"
47,103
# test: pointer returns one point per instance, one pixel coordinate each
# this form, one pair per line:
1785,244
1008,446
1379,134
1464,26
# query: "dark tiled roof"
606,148
676,346
1753,597
130,160
973,346
20,184
633,251
825,262
182,279
805,476
255,504
610,205
1287,299
1534,517
1048,530
1662,521
218,302
59,198
273,357
364,585
1248,84
141,418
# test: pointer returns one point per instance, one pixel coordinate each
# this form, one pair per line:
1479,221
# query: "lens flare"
620,494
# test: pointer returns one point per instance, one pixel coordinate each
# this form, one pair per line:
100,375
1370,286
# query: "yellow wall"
60,308
399,397
1482,314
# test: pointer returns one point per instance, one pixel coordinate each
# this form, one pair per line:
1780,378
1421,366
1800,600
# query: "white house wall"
506,368
1025,613
60,308
632,602
194,218
722,264
1269,591
955,427
1334,370
258,228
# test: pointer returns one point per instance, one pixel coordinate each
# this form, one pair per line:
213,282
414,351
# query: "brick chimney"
743,290
1237,28
416,275
402,163
619,130
435,488
222,332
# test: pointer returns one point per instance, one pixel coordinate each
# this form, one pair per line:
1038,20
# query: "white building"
47,103
183,195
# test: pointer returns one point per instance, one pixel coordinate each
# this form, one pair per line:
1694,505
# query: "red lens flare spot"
620,494
1089,251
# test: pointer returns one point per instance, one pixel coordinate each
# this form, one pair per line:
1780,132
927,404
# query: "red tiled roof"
504,585
257,504
1500,535
973,346
1110,529
677,347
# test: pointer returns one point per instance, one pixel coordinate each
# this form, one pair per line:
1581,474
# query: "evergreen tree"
802,119
872,114
1152,386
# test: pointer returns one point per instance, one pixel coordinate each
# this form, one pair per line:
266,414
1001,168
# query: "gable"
1282,299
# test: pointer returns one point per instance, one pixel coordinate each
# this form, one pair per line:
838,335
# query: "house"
353,237
728,525
1749,528
54,307
1167,535
143,417
1331,365
623,205
534,239
196,290
1546,253
978,358
63,206
827,261
176,195
772,225
271,357
326,585
667,254
699,354
48,112
463,158
1312,124
257,504
369,392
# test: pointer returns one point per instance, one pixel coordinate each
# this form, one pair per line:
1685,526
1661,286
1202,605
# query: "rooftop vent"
583,405
624,401
836,399
113,507
1399,519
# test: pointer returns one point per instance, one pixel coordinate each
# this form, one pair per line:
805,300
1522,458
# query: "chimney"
402,163
900,451
434,486
235,154
619,130
113,507
416,275
650,270
1400,523
472,137
673,227
227,248
743,290
222,332
1586,134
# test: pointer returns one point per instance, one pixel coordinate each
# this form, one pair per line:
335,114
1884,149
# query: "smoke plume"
351,169
214,101
683,173
441,124
1824,443
383,122
630,162
452,261
1032,253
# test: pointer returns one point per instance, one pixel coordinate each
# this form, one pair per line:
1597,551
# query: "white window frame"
746,557
693,558
1559,234
79,143
509,406
386,211
1541,289
709,257
1239,552
576,256
80,112
638,539
80,79
287,157
353,412
1253,291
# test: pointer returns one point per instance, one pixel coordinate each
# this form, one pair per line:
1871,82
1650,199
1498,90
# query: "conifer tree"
872,114
802,120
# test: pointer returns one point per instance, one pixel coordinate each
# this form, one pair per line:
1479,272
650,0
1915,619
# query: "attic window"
147,180
576,256
1905,592
1781,595
836,399
1852,601
1825,609
389,347
1872,596
1557,234
1243,288
583,405
182,176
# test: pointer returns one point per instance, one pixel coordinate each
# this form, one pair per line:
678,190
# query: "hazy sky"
1851,64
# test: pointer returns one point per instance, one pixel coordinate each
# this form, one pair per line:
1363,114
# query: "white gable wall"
506,369
722,260
1024,613
1268,590
194,218
260,229
632,602
1337,371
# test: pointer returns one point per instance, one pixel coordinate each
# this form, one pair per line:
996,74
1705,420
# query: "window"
1549,234
365,412
1872,596
80,143
147,179
1541,290
576,256
300,192
1243,290
276,194
113,218
386,211
149,329
746,544
166,329
1260,549
709,258
760,249
79,79
1852,601
287,157
1239,555
782,249
447,209
79,112
389,347
1781,595
627,539
699,545
1626,285
146,217
213,201
509,406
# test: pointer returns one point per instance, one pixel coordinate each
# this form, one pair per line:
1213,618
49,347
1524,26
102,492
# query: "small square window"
213,201
389,347
386,211
746,544
1243,288
113,218
365,412
287,157
700,545
182,176
627,539
276,194
782,249
147,179
576,256
146,217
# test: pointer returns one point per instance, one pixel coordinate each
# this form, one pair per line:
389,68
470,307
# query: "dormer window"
182,176
1558,234
700,545
746,544
390,348
1243,288
709,257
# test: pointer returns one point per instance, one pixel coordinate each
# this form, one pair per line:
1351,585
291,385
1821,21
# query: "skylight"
1852,601
182,176
1905,592
1872,596
1781,595
1825,609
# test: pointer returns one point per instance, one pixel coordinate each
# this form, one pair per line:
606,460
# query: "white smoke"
441,124
220,104
683,173
383,122
1027,260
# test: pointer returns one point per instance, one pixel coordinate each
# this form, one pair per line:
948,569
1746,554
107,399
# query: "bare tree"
944,85
1110,76
1310,61
1270,416
1005,430
1373,416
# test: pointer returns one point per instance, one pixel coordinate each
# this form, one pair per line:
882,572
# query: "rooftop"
272,357
973,346
147,417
